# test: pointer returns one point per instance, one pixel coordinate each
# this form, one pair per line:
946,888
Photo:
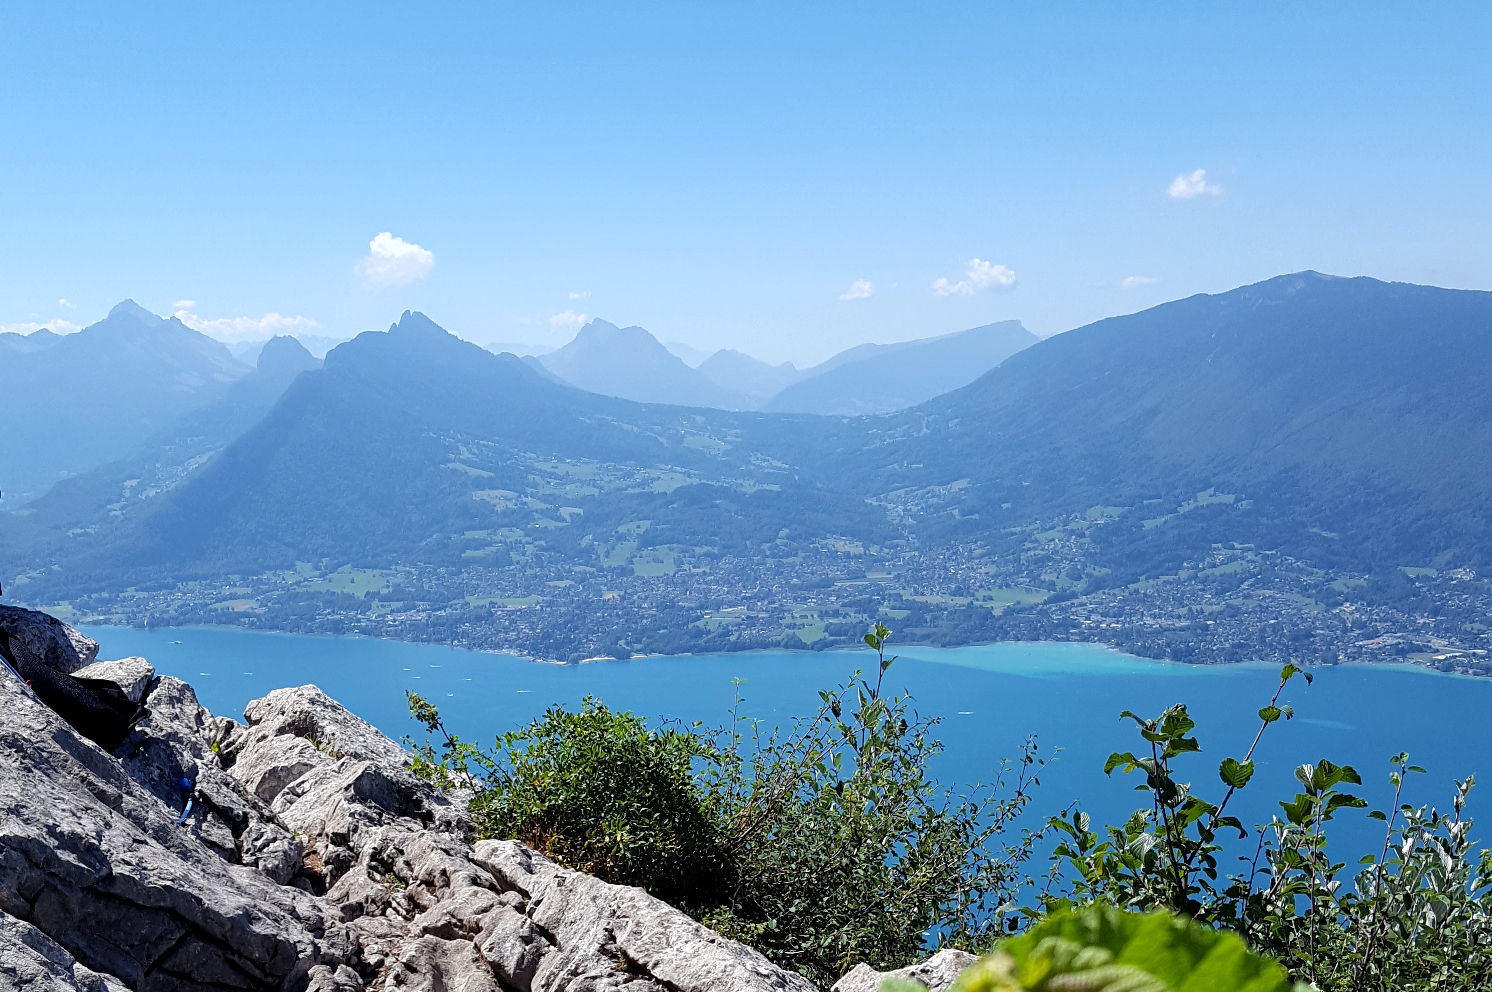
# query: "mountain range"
1338,420
630,363
75,401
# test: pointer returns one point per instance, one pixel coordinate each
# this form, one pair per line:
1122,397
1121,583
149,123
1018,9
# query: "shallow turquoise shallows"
990,698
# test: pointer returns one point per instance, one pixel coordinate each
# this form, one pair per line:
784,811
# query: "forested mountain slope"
416,446
100,496
1343,423
94,396
1347,419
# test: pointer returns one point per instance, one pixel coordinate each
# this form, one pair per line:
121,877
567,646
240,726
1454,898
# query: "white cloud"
986,274
184,305
66,305
943,287
1190,186
55,326
393,261
230,329
859,290
580,296
570,319
980,275
1135,282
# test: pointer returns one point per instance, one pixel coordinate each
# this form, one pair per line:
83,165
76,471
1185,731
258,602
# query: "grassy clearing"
1003,596
468,470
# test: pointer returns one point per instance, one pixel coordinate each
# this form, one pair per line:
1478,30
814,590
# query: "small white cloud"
230,329
859,290
569,319
980,275
1189,186
393,261
943,287
184,305
986,274
1135,282
580,296
55,326
67,305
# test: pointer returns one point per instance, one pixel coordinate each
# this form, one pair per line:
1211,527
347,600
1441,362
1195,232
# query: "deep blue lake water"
990,697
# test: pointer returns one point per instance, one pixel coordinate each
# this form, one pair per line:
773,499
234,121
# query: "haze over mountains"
629,363
1341,420
87,398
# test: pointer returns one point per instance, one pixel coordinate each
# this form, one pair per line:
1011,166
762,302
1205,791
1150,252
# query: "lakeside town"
1237,604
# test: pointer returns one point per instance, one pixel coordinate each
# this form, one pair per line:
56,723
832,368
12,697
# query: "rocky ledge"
311,859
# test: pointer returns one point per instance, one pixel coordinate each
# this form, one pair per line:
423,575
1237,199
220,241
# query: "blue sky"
784,179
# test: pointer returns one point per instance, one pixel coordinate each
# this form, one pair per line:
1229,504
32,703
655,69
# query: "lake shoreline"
1407,666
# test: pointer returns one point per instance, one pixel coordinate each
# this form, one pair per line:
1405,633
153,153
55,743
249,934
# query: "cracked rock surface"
312,861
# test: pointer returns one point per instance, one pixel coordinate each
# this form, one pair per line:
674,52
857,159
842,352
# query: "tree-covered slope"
414,446
1340,421
1347,419
94,396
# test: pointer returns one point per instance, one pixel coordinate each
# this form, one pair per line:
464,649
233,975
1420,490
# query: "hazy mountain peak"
630,363
876,378
284,354
412,323
129,308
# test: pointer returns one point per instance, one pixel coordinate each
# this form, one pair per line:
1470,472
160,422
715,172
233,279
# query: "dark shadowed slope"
96,395
105,495
630,363
416,447
1349,419
1343,421
882,378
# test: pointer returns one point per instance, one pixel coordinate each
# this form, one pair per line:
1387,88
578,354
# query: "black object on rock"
95,708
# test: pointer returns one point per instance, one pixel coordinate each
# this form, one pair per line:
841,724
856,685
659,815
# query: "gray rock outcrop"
32,961
567,930
45,639
91,858
132,675
313,860
936,974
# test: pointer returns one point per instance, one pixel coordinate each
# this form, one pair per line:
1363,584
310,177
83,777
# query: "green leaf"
1236,774
1104,949
1270,714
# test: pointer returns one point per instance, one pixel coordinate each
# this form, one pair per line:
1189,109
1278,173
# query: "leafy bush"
1103,948
827,844
823,845
1417,916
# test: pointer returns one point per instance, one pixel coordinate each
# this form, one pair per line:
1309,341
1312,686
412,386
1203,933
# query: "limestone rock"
265,767
91,857
313,861
306,711
132,675
593,935
936,974
174,742
32,961
46,640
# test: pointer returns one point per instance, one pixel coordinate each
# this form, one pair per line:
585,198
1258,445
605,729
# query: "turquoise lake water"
990,697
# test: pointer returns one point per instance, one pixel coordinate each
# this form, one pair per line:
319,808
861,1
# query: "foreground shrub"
1103,948
1418,915
827,844
823,845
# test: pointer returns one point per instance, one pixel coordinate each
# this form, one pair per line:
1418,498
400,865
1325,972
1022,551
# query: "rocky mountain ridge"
295,851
